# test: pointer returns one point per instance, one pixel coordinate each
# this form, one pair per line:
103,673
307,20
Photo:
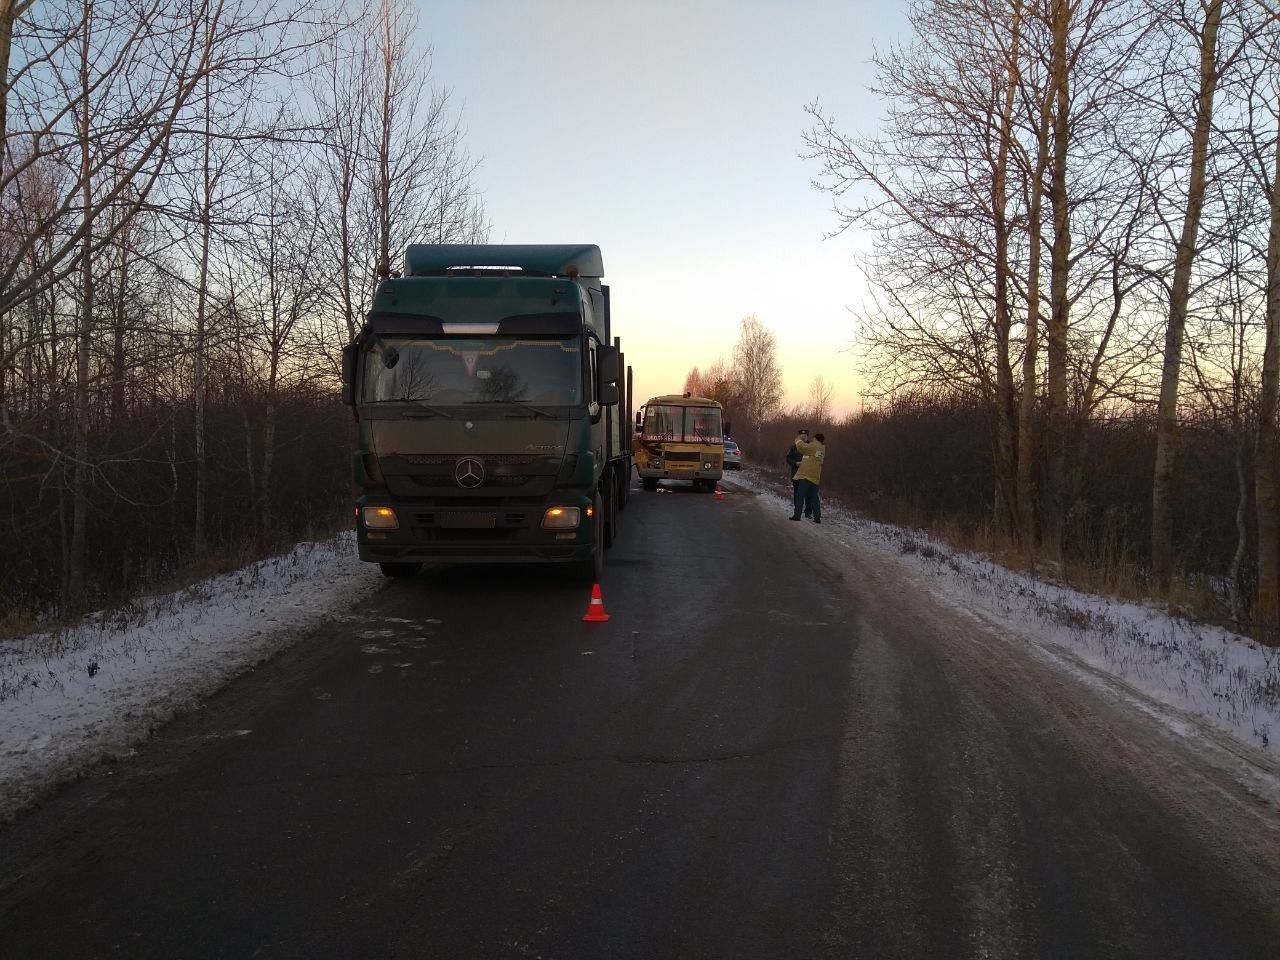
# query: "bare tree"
1002,319
339,88
949,227
820,392
108,108
987,125
716,382
756,371
1256,139
1267,607
1039,99
693,381
397,170
1204,36
1060,24
10,12
282,266
419,175
138,79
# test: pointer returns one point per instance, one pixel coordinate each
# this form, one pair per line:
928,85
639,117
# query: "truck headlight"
380,518
561,518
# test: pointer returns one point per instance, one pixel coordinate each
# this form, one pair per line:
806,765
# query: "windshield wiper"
524,407
537,412
422,411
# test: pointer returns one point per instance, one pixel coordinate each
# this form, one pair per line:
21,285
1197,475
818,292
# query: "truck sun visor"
558,324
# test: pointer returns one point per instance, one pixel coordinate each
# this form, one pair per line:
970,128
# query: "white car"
732,455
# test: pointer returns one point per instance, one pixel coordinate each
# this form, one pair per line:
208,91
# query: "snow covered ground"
1198,670
70,699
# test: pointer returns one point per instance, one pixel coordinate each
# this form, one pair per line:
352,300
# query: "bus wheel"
400,571
649,483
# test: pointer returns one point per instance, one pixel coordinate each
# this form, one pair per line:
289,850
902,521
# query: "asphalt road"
778,747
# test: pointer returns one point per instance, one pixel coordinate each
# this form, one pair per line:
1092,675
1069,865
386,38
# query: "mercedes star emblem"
469,472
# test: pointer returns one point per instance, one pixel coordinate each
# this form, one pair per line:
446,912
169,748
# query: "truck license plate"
469,521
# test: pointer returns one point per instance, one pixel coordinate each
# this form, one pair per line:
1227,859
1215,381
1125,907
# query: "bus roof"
683,400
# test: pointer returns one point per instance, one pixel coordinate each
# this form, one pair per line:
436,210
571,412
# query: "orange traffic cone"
719,492
595,610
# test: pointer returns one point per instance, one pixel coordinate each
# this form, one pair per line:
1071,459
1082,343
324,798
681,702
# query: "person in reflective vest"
808,477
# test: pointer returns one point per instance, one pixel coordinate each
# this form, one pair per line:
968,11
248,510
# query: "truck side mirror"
639,423
607,373
349,358
607,362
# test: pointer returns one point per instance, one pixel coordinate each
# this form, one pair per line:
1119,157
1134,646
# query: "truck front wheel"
613,508
589,570
610,514
400,571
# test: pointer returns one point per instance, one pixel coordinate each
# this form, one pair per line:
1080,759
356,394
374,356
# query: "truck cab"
489,406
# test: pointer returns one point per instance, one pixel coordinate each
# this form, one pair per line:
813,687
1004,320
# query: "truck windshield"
668,422
454,370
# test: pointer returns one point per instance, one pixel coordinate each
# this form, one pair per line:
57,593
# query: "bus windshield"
671,423
455,370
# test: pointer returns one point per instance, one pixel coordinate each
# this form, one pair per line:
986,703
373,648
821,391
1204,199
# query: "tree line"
1076,213
196,201
925,458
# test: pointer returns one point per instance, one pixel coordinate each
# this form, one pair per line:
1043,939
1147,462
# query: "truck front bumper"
498,532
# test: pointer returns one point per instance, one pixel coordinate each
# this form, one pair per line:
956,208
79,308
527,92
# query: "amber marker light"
560,518
380,518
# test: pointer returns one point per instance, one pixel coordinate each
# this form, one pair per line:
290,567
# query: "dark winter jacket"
793,460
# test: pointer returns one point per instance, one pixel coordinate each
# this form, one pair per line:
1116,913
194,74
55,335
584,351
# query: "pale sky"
669,132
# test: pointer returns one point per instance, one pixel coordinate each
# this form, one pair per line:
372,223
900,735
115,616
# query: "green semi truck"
493,410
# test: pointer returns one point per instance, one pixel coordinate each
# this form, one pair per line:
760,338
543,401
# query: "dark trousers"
795,495
807,498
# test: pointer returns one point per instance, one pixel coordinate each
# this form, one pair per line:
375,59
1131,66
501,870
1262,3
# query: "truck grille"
501,521
422,474
496,535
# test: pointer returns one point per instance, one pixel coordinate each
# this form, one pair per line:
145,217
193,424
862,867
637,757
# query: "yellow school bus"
679,437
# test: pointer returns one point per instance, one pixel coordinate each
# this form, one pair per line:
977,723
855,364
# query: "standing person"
793,461
809,476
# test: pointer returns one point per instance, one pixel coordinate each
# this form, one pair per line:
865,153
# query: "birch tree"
285,279
1037,99
1255,136
397,169
1203,33
820,393
756,371
1060,23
